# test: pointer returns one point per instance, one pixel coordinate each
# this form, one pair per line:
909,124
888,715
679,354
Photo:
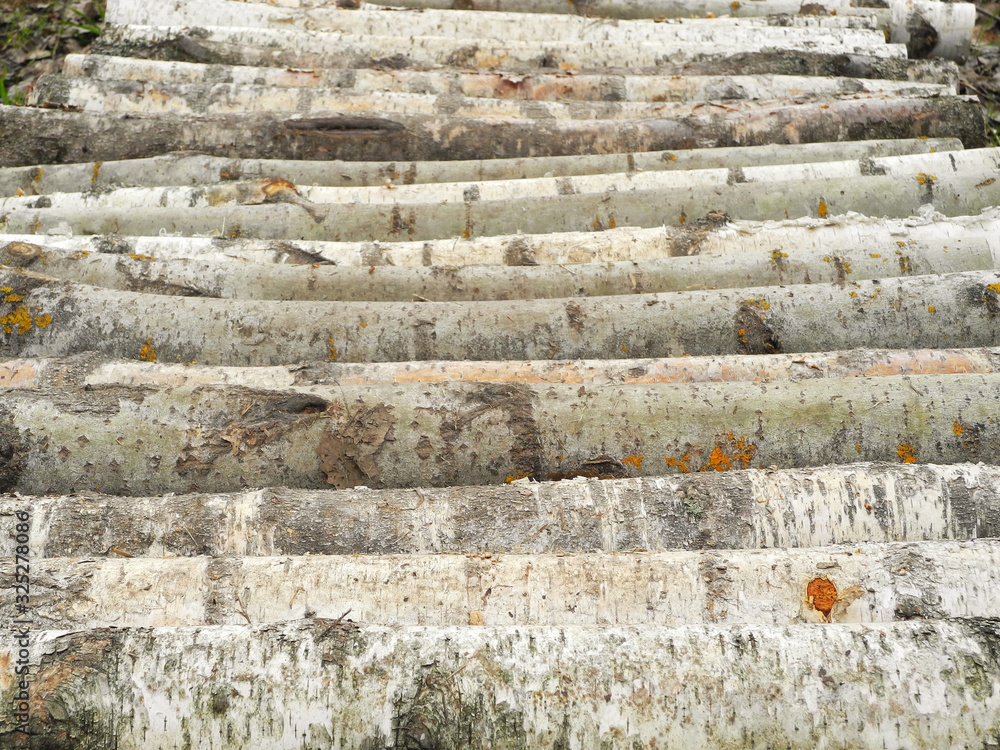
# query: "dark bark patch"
923,37
12,450
753,334
576,316
517,253
347,455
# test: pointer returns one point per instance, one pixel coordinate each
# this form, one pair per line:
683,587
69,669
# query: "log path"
501,374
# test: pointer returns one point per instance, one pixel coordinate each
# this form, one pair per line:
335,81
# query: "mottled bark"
215,439
47,317
230,687
748,509
494,282
542,85
31,136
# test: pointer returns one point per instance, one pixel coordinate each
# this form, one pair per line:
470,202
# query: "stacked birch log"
502,374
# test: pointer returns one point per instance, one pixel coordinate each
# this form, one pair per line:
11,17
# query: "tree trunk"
871,583
184,169
47,317
320,683
388,283
929,233
32,136
70,439
427,212
218,46
541,86
748,509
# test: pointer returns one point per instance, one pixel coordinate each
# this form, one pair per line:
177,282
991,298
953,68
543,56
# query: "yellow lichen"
994,287
906,453
138,256
19,319
147,353
97,171
822,210
13,298
876,255
925,179
930,309
333,349
43,320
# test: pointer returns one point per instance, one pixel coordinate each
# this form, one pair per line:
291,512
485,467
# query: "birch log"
441,82
870,583
460,24
691,42
216,439
275,209
31,136
471,283
748,509
185,169
47,317
231,686
837,235
234,47
138,97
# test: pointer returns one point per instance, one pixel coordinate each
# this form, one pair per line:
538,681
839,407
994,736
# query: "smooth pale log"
48,317
224,439
870,583
90,369
440,82
696,41
489,282
327,683
928,232
273,209
461,24
185,169
751,509
138,97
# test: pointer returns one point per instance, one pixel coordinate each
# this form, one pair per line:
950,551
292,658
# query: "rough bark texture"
225,439
751,509
31,136
320,683
46,317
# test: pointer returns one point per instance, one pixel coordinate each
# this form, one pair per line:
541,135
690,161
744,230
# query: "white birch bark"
477,209
858,583
184,169
541,86
227,280
750,509
225,439
452,24
343,49
324,683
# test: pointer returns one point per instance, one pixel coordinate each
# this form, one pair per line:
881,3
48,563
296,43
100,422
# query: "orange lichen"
139,256
822,210
906,453
634,461
821,594
930,309
147,353
683,217
681,464
729,451
957,429
925,179
333,349
612,223
97,171
517,475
